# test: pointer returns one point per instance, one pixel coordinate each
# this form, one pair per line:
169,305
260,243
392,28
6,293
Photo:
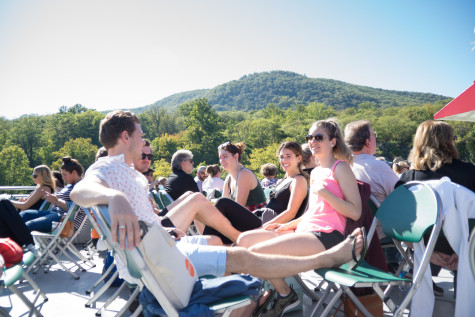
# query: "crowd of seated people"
100,186
287,202
287,225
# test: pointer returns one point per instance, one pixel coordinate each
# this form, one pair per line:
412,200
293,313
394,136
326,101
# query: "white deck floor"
67,296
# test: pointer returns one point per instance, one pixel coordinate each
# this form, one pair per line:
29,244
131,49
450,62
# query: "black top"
280,199
37,205
180,182
459,172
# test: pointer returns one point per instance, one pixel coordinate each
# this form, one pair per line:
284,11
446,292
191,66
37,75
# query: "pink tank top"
321,216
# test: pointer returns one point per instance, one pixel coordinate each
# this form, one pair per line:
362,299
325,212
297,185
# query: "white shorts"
207,259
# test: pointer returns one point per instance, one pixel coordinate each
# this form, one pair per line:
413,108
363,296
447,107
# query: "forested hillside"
287,89
33,140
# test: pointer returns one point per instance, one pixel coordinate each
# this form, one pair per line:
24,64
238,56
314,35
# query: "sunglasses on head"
34,176
148,156
318,137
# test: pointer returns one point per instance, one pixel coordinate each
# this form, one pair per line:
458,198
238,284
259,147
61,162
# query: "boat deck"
67,296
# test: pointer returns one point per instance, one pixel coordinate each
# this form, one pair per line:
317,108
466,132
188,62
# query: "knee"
243,240
198,197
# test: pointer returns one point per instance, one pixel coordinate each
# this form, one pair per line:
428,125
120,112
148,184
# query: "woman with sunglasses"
42,220
44,183
334,197
241,185
287,202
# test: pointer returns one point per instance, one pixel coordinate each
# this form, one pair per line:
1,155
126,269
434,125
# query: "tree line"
32,140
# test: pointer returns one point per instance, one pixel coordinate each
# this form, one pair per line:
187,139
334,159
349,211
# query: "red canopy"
461,108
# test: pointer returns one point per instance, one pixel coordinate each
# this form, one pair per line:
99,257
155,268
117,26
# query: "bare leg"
179,200
252,237
196,206
271,266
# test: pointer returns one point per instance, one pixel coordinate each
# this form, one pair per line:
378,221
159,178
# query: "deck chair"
165,197
407,262
406,215
471,251
48,242
138,269
8,279
156,197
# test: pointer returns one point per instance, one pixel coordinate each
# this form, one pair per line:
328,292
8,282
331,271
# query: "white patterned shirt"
118,175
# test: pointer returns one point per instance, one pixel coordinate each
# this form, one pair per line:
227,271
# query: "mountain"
287,89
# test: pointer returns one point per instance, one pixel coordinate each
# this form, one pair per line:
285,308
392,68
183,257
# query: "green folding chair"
8,279
471,251
406,215
165,197
156,197
138,269
47,243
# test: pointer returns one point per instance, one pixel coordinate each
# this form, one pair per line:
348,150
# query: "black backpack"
12,225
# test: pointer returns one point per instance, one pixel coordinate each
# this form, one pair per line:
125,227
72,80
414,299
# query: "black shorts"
166,222
329,239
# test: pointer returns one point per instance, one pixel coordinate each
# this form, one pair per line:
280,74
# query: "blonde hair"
433,146
333,129
44,176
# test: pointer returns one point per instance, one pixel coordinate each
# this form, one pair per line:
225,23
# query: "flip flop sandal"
261,309
358,259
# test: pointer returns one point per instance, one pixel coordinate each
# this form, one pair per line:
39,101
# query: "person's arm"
246,181
93,191
298,192
349,207
32,199
227,183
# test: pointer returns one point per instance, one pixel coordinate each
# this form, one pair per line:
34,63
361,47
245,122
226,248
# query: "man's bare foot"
342,252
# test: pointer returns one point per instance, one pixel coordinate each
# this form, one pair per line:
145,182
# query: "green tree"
14,169
261,156
165,146
162,168
26,133
80,149
203,131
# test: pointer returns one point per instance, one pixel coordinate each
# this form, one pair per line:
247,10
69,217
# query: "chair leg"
129,302
25,300
112,298
321,302
102,290
102,278
307,291
35,286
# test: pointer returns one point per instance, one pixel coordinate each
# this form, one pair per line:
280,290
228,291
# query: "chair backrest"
45,205
471,252
165,197
409,211
135,263
373,204
156,198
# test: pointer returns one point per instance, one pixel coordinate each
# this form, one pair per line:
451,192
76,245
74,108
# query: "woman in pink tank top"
334,196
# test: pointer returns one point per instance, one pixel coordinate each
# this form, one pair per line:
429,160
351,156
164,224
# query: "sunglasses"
317,137
191,161
34,175
148,156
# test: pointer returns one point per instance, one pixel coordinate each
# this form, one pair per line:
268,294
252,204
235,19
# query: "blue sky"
124,54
